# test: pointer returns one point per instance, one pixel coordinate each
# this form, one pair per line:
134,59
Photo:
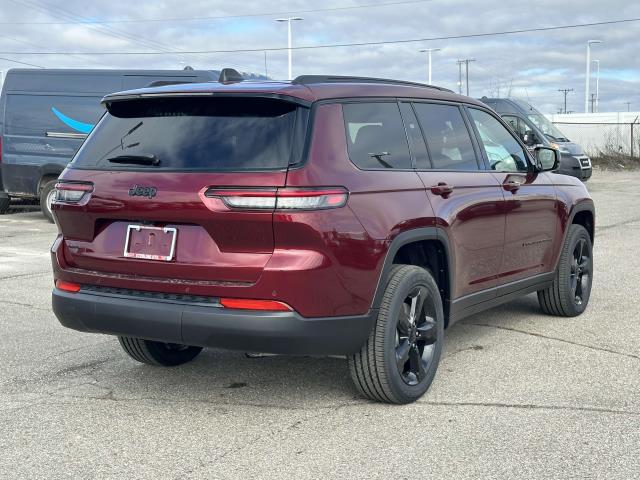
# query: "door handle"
512,185
441,189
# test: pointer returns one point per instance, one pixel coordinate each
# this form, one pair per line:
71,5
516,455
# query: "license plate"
150,243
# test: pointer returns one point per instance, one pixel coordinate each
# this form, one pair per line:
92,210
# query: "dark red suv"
327,215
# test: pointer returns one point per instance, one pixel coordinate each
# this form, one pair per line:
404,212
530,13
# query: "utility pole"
429,51
266,74
593,101
588,74
597,62
460,77
628,106
565,91
289,20
466,62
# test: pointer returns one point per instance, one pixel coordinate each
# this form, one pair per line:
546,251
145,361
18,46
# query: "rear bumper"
208,325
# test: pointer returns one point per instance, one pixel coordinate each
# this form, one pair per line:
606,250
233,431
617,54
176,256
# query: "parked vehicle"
45,114
535,129
327,215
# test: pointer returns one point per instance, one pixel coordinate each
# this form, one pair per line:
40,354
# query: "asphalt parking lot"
518,394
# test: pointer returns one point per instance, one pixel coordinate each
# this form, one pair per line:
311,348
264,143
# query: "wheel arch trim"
404,238
582,206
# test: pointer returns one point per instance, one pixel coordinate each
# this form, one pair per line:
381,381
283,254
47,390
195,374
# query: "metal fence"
600,138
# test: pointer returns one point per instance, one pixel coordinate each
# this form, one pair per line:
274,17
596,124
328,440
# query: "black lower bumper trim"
211,326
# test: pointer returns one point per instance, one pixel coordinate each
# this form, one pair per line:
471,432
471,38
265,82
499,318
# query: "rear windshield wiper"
136,159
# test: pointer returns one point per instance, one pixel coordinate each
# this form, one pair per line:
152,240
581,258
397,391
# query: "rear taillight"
72,192
251,304
280,198
67,286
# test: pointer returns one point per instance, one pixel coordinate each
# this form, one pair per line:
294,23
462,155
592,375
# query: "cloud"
533,65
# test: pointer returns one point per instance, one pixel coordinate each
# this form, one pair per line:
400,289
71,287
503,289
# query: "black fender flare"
581,206
404,238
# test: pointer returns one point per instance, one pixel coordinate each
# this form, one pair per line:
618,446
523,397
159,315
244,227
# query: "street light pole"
597,62
429,51
588,74
289,20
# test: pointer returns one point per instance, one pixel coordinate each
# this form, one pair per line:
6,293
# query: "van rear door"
41,134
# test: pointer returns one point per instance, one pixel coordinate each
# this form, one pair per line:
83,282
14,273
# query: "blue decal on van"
70,122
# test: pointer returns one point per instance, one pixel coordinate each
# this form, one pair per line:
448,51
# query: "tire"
399,359
158,353
569,293
46,193
5,203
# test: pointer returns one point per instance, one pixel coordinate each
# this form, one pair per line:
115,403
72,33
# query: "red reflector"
248,304
67,286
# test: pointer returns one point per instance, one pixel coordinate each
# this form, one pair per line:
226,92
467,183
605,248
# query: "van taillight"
72,192
280,198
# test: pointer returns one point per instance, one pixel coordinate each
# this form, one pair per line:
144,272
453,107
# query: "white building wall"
601,132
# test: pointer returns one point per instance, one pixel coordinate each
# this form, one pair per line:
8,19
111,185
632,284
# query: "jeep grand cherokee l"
326,215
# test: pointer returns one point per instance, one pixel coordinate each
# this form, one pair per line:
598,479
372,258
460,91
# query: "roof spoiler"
230,75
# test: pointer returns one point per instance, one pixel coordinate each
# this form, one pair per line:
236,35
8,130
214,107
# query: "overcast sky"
529,65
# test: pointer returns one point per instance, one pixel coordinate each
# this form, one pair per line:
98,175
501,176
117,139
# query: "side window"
416,140
375,135
447,136
516,124
503,151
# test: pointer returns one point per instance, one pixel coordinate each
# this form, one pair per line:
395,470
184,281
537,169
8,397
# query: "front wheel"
399,360
158,353
569,293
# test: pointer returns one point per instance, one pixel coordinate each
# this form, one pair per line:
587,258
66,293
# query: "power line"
75,19
21,63
223,17
339,45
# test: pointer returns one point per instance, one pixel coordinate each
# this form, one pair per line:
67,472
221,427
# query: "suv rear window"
208,134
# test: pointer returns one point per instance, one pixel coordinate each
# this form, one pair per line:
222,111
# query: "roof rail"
311,79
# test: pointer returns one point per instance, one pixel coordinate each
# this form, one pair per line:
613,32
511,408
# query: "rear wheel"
5,202
47,196
569,294
158,353
399,360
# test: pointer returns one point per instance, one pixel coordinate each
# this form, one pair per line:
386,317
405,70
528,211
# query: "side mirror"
530,138
547,158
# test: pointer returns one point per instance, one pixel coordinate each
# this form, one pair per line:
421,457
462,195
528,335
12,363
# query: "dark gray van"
45,114
535,129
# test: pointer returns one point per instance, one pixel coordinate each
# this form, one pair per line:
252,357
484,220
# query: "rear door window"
37,115
376,138
209,134
448,139
416,140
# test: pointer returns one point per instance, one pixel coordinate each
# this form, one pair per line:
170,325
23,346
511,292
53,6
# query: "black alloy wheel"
416,336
